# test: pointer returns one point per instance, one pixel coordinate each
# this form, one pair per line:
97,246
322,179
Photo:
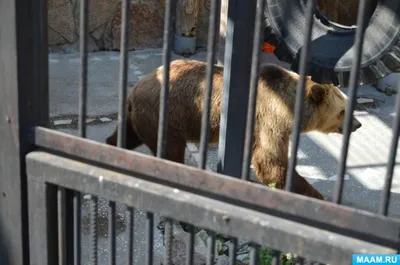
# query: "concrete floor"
317,157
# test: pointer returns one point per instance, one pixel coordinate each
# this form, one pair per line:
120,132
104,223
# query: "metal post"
22,87
237,67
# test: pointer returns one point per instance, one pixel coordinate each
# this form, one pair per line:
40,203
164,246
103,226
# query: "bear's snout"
356,124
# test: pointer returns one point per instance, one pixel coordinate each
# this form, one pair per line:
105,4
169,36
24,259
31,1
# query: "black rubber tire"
332,44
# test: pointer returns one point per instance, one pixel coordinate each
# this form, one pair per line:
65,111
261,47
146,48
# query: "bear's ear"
316,93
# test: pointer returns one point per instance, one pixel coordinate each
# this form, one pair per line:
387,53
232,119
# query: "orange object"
268,48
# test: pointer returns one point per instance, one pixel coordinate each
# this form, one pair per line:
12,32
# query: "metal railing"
51,169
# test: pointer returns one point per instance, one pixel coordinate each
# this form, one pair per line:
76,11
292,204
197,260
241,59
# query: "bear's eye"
342,113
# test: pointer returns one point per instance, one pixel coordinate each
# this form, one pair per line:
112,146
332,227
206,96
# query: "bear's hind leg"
132,140
303,187
176,146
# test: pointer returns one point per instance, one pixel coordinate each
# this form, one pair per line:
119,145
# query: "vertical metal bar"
211,46
213,30
61,226
111,233
168,241
169,16
130,224
84,67
43,223
69,226
254,251
163,113
81,123
77,228
353,83
93,230
41,60
275,257
121,141
123,75
232,251
211,248
239,37
84,8
149,240
385,199
300,261
190,244
299,107
258,38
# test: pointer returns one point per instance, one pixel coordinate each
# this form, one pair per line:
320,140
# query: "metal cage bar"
254,254
121,141
300,93
62,248
211,50
190,246
162,141
93,243
130,216
275,257
43,224
254,77
149,238
384,205
205,122
111,233
236,78
353,82
163,112
123,75
211,248
232,251
83,50
76,196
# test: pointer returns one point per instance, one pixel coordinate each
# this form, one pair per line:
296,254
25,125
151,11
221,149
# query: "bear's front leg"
271,168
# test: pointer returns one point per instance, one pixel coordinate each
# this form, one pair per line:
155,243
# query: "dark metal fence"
43,172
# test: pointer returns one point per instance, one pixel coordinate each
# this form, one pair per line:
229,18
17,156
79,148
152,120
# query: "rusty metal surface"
326,215
226,218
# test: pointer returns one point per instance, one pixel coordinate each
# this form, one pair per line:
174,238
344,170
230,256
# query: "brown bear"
324,108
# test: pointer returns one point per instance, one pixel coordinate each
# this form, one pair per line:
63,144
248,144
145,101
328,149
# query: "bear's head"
326,104
329,108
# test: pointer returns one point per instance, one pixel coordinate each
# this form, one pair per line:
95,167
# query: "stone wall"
146,24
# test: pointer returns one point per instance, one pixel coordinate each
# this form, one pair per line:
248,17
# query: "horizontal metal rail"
340,219
241,222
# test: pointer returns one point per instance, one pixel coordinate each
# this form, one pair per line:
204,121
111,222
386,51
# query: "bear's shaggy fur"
323,111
